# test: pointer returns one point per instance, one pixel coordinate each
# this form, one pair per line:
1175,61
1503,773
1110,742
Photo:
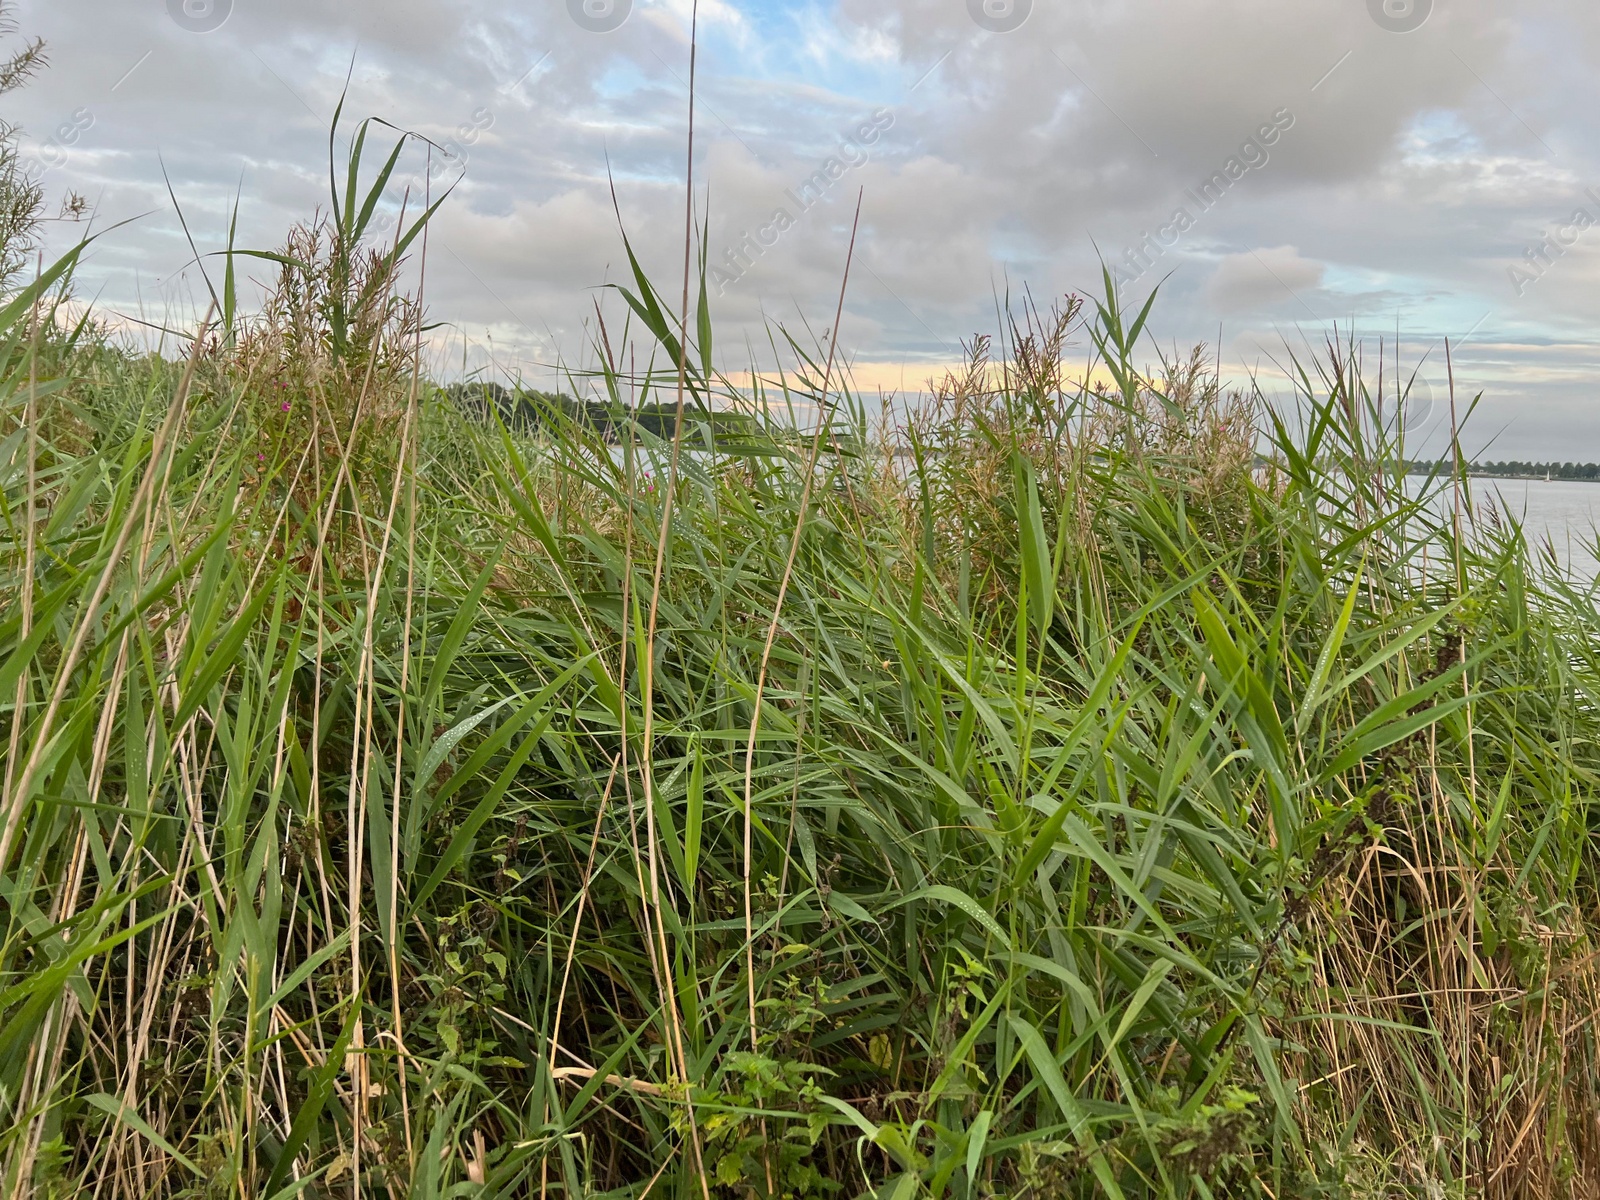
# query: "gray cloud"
1420,165
1273,278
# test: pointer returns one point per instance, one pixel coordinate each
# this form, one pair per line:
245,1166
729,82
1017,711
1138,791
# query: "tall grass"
1148,795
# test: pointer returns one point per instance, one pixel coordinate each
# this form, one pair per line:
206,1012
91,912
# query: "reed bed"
1122,791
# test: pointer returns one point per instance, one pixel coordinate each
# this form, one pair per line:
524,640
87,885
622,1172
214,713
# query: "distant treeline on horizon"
1514,469
525,411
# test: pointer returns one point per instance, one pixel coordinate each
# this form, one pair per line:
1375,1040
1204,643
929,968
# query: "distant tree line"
1514,469
526,411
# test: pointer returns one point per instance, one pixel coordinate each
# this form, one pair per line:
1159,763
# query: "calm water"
1564,512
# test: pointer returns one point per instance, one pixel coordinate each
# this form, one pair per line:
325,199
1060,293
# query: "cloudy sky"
1381,167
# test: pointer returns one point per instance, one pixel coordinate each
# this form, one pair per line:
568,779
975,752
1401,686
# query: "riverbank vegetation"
1132,792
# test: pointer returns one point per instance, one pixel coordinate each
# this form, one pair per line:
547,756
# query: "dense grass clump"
1121,791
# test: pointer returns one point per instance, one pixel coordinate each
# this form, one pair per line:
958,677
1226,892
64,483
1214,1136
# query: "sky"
1418,170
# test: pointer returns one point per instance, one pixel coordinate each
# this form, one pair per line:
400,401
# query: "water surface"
1562,512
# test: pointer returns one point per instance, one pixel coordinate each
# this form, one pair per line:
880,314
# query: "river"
1563,512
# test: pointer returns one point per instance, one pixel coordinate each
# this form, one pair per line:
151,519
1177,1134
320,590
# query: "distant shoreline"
1530,478
1541,472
